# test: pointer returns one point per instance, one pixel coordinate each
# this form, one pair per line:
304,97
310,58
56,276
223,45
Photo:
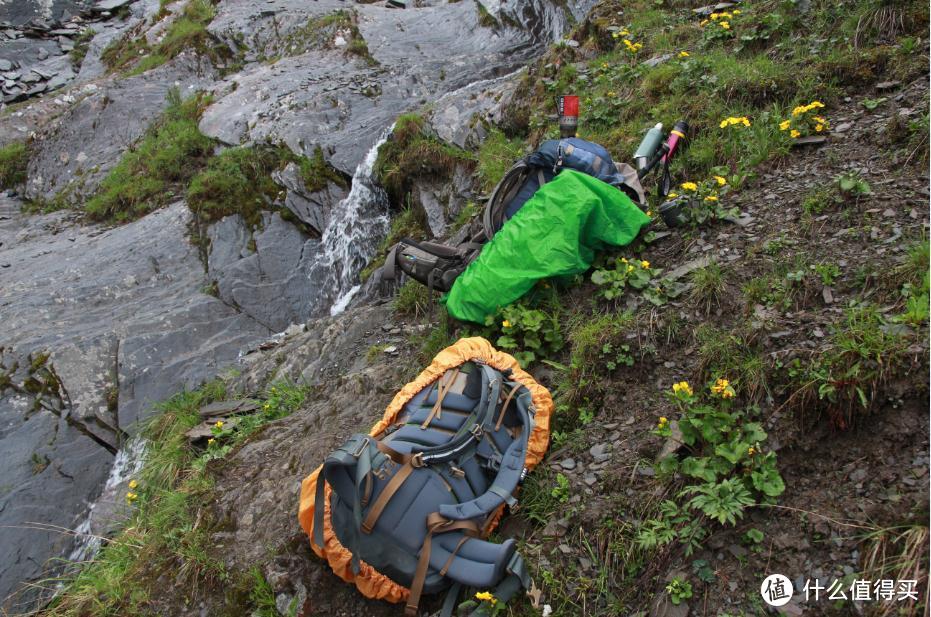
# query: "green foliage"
853,184
14,157
528,334
561,491
679,590
236,181
708,286
496,156
317,173
261,595
848,377
413,153
152,172
702,201
827,272
613,281
819,200
726,467
732,352
81,45
916,287
413,299
539,499
599,346
872,104
319,31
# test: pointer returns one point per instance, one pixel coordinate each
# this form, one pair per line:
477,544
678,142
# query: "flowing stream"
351,237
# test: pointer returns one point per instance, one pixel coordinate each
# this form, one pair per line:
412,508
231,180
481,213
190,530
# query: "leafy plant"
725,464
701,201
13,160
613,281
828,272
852,183
679,590
529,334
872,104
561,490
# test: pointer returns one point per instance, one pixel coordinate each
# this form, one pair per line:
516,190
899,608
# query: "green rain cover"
555,233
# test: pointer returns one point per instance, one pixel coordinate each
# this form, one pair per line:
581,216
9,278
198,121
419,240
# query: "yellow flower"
624,32
623,260
723,388
751,450
711,198
720,180
703,22
815,104
736,11
644,263
131,497
487,597
663,422
684,54
219,424
794,133
505,324
615,35
630,268
672,195
784,125
682,386
649,213
689,186
133,484
819,128
725,25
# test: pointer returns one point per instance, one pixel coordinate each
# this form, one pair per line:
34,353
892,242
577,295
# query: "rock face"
124,322
100,323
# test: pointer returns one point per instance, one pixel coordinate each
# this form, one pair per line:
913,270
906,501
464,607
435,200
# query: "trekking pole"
676,136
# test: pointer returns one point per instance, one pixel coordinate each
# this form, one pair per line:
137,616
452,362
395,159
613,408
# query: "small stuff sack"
407,509
428,263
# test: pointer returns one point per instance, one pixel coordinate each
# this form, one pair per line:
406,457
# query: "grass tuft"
152,173
14,157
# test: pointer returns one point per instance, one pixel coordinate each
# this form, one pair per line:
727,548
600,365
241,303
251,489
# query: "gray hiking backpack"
438,265
417,501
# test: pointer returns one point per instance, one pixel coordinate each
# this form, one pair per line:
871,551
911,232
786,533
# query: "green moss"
414,153
319,32
132,53
124,50
152,173
316,172
14,157
81,44
237,181
486,19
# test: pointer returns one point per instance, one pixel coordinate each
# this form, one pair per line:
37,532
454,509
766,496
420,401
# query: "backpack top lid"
578,154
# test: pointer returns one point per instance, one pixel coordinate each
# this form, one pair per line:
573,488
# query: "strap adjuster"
417,460
362,446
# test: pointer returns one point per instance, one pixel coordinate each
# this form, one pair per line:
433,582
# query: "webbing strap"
443,388
449,604
385,496
504,405
435,524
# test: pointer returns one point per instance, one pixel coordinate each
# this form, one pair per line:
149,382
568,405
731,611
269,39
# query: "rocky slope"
102,322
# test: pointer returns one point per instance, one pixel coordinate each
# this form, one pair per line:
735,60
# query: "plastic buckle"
362,446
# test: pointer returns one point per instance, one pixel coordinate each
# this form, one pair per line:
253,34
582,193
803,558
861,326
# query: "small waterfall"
351,237
127,463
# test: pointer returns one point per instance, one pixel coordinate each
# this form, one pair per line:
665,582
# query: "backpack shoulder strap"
493,216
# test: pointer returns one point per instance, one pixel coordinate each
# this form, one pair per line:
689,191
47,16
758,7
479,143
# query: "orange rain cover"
371,583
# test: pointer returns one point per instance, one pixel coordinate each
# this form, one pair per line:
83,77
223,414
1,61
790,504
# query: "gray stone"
311,208
5,65
568,464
